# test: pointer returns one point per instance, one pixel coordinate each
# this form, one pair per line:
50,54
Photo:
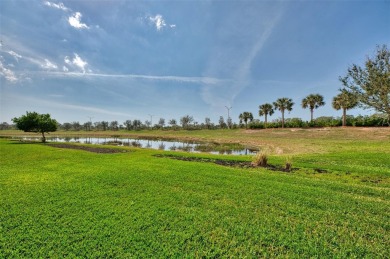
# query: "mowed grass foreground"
60,202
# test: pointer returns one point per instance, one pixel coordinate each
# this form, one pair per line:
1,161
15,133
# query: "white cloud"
158,21
172,25
67,60
75,21
60,6
49,65
7,73
77,61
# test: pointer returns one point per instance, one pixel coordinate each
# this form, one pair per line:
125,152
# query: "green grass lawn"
61,202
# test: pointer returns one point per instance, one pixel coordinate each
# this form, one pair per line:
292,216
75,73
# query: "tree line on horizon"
374,120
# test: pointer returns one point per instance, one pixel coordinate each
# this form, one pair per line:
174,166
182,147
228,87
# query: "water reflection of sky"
147,143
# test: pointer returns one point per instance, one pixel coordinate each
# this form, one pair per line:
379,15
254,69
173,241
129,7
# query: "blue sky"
118,60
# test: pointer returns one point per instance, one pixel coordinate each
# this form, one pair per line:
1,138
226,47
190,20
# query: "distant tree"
207,123
76,125
97,125
172,122
245,116
35,122
104,125
265,110
185,121
148,123
161,122
283,104
137,124
345,100
313,101
67,126
127,124
114,125
371,84
87,125
4,126
221,122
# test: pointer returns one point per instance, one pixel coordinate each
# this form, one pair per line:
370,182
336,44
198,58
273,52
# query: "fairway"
61,202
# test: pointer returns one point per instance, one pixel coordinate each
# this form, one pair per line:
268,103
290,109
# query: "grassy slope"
57,202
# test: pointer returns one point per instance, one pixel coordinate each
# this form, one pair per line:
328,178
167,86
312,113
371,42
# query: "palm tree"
245,116
264,110
283,104
344,100
313,101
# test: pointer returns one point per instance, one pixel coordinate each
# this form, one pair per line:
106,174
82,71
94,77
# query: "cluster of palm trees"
344,100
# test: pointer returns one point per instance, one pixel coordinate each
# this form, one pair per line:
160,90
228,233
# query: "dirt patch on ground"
89,149
230,163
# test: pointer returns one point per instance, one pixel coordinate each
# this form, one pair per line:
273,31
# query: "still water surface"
172,145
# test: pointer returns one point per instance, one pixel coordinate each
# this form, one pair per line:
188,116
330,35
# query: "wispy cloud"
257,47
60,6
198,80
48,65
67,106
15,55
56,95
8,74
75,21
240,70
51,105
159,22
91,109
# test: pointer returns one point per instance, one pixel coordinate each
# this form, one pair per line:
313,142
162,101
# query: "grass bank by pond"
276,141
58,202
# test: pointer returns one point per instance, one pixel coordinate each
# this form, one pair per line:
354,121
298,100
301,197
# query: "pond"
172,145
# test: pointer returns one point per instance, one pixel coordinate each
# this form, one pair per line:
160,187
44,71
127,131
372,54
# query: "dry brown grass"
260,159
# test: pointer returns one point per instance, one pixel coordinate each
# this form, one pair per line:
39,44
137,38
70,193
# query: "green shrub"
256,125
